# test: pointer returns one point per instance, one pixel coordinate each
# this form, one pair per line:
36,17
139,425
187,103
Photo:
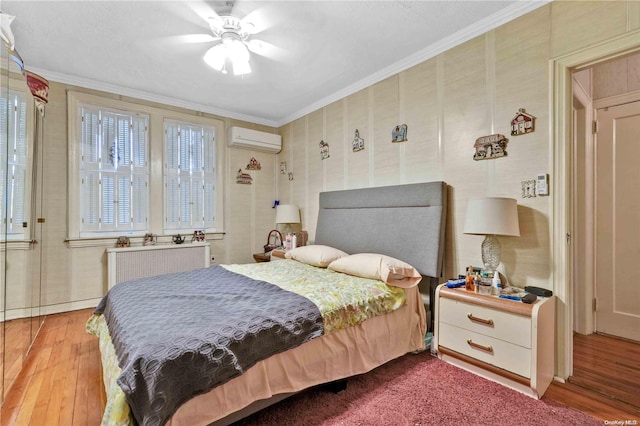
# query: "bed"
405,222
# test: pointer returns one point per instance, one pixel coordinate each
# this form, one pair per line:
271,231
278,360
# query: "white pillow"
315,255
378,267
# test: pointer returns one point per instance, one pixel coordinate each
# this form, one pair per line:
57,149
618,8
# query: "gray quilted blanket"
180,335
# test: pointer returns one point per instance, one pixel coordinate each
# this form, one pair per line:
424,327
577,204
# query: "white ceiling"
316,52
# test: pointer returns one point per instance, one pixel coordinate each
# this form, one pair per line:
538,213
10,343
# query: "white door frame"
561,99
585,321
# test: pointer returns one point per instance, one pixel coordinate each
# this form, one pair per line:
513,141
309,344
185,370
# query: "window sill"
135,241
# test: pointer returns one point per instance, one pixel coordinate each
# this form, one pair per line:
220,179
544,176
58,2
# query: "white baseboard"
12,314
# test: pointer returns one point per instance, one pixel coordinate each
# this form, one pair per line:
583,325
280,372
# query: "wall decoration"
522,123
491,146
399,134
243,178
358,142
290,176
253,164
324,150
283,167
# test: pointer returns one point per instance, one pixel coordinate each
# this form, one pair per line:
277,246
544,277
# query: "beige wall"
74,277
447,102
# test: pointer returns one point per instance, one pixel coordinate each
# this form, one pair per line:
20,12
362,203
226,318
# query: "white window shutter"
172,202
108,193
90,137
140,193
124,141
17,213
139,142
209,205
124,201
90,190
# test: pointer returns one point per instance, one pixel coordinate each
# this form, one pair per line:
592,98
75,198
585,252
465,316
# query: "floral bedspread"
343,300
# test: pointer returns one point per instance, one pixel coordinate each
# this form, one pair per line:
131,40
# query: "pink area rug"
417,390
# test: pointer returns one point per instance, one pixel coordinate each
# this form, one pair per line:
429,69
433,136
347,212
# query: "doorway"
606,237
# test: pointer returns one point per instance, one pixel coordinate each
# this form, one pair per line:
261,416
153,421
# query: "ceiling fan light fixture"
241,68
234,36
215,57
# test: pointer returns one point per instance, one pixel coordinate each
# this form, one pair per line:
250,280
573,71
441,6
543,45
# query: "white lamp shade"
287,213
492,216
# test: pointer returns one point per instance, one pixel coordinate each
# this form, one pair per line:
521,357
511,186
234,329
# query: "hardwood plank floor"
61,383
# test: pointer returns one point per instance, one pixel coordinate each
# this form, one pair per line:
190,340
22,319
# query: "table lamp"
287,214
492,216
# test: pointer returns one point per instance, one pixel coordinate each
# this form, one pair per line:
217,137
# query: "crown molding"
482,26
517,9
146,96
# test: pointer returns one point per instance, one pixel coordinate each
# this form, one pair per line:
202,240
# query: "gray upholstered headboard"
403,221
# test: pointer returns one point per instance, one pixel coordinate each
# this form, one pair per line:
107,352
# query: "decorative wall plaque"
243,178
253,164
358,142
399,134
491,146
522,123
324,150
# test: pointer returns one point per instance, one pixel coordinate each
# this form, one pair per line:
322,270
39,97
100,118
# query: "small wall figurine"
253,164
522,123
324,150
358,142
283,167
491,146
243,178
399,134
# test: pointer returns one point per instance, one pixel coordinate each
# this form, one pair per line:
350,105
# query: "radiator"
147,261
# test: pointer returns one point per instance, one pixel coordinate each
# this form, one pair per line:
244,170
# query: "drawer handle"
480,320
479,346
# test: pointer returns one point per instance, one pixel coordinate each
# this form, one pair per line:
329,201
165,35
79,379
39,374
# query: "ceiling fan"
234,46
235,43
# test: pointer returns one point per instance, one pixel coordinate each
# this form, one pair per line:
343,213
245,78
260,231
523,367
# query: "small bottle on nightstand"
469,280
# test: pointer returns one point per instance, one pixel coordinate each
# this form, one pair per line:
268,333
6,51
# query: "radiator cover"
130,263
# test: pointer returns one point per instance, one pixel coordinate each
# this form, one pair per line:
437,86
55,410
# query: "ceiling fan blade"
266,49
184,39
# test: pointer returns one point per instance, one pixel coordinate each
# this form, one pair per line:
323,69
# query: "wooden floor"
606,378
61,380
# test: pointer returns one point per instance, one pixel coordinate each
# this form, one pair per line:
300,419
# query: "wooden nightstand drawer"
493,351
502,340
501,325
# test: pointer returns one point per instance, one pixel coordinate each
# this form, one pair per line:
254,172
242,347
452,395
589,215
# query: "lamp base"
491,250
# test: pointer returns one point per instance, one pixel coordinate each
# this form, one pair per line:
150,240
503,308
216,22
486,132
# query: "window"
13,154
189,176
114,172
120,175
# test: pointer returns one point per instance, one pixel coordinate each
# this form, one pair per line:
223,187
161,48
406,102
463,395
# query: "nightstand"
261,257
506,341
277,255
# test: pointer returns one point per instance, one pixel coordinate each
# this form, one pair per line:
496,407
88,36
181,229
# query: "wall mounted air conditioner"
254,140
